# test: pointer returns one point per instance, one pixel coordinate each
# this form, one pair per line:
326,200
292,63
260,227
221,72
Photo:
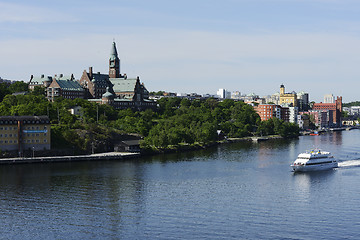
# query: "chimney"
42,75
31,77
61,75
72,76
90,72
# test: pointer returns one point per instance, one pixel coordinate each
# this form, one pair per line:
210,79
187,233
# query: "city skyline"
198,46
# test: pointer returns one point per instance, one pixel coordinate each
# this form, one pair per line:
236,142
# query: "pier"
91,157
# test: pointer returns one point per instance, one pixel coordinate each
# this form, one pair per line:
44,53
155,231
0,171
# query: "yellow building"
24,133
287,99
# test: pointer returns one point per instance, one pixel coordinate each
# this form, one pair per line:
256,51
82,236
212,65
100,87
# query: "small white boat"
314,160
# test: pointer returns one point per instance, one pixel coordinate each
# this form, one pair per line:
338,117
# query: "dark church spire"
114,63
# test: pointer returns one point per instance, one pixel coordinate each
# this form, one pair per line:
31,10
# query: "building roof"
108,94
131,142
69,85
123,85
101,80
113,53
40,80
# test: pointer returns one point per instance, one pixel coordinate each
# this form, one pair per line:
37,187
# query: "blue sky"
251,46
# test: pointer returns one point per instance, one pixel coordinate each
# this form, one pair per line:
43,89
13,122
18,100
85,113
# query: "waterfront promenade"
91,157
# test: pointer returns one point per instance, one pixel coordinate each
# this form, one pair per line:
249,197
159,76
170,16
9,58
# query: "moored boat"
314,160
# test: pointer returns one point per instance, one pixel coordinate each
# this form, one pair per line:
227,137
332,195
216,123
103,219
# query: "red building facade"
334,109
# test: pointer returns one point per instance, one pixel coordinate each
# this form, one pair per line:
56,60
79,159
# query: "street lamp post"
33,151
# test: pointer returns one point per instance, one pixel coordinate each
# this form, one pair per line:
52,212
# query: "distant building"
114,88
287,99
24,133
303,121
267,111
127,146
66,87
236,95
76,110
334,109
293,113
273,99
303,101
320,118
41,81
329,98
222,93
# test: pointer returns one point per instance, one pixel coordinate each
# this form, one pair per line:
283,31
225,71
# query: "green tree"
18,86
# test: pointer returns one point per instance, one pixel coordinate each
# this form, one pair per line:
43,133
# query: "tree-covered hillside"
177,121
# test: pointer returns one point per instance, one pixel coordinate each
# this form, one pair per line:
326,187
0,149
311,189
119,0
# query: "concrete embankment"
91,157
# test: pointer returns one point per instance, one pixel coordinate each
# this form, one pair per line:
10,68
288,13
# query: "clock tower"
114,63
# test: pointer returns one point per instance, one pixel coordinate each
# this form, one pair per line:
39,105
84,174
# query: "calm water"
234,191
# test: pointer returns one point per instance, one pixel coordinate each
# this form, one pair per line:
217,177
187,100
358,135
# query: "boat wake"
349,163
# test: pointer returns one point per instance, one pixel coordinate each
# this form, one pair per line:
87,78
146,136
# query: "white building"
222,93
275,98
293,113
329,98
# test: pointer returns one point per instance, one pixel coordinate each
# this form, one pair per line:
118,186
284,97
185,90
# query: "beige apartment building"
24,133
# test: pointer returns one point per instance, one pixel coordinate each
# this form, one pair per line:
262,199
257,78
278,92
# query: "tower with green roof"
114,63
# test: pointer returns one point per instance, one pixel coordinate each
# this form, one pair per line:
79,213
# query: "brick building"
65,87
267,111
334,109
114,88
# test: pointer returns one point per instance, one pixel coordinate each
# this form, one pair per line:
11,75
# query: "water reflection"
305,182
90,193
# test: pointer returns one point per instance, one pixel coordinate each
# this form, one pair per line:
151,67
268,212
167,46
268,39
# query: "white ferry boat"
313,161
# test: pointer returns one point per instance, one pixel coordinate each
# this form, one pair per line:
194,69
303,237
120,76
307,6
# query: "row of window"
24,141
15,128
25,121
33,134
15,135
8,128
8,135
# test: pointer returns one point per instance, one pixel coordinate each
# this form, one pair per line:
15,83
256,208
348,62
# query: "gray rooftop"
69,85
